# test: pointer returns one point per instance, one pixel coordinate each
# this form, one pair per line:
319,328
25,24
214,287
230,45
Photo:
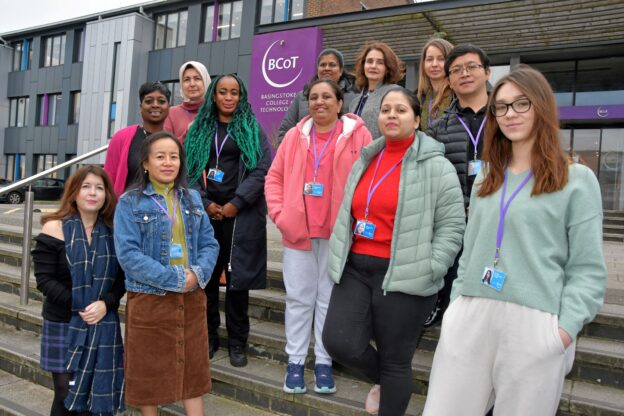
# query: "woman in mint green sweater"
532,272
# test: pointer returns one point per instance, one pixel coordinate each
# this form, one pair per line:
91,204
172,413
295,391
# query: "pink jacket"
285,179
116,164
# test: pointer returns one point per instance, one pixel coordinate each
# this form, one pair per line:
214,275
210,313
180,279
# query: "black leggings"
61,389
358,312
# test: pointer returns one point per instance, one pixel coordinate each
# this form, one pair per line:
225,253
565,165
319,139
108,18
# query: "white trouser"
492,351
308,289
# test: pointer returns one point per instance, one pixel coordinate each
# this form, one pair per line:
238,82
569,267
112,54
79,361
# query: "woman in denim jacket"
167,249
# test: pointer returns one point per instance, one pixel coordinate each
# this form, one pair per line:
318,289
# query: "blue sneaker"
324,379
294,382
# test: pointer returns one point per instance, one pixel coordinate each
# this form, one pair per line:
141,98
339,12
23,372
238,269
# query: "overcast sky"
23,14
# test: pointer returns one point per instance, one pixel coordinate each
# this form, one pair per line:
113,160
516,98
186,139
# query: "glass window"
171,30
223,28
297,9
79,39
45,162
18,111
278,13
115,83
228,24
266,12
586,144
9,162
54,50
174,87
611,175
600,81
48,106
565,136
17,56
74,110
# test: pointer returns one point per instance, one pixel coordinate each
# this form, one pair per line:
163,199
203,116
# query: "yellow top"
167,190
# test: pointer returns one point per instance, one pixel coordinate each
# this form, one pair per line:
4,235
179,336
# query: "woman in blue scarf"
78,273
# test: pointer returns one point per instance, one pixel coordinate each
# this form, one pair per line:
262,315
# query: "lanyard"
429,112
317,159
372,188
475,141
504,206
361,103
218,148
166,211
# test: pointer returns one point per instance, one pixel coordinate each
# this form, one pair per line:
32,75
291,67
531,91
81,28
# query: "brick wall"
325,8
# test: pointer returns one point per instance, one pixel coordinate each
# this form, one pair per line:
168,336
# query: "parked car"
46,189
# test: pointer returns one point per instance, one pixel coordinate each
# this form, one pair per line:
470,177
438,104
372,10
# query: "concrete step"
599,361
612,237
612,213
260,385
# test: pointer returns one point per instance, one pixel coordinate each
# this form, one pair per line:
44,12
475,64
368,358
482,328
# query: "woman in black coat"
228,156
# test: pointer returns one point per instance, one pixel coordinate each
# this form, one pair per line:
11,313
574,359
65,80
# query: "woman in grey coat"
377,70
330,65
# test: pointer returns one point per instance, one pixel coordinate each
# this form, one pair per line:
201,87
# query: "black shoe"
238,358
435,317
213,347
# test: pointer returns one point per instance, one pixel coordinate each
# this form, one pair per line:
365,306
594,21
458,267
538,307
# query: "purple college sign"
281,64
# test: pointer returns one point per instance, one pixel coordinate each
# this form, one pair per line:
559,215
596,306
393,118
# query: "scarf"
93,268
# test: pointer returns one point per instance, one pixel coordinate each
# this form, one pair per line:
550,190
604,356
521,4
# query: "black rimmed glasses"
521,105
470,67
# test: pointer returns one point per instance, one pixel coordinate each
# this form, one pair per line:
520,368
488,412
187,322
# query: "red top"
318,209
383,204
179,118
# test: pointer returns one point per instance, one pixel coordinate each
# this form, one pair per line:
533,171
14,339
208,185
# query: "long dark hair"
68,206
142,177
244,130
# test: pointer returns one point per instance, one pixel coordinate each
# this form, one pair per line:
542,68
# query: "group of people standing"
371,188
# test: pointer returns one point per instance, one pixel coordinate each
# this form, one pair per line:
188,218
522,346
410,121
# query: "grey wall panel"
193,31
217,55
76,76
178,58
18,83
230,61
5,67
244,68
72,137
248,24
203,55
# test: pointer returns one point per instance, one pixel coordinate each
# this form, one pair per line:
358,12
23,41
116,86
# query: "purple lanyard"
475,141
317,159
218,148
166,211
361,103
371,188
504,206
429,112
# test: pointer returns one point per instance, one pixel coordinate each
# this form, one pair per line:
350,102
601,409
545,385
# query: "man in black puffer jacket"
461,129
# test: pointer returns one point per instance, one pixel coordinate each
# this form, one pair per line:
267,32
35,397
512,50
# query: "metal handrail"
54,169
28,211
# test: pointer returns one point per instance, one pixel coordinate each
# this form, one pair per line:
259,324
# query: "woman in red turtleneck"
397,232
194,82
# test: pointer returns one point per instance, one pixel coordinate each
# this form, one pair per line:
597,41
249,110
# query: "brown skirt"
166,353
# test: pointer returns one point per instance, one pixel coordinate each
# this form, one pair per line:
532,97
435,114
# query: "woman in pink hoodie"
304,189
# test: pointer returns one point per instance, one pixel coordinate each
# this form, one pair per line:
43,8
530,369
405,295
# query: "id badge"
175,251
474,167
365,229
215,175
313,189
493,278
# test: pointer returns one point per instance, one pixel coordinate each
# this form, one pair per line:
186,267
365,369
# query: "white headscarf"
203,72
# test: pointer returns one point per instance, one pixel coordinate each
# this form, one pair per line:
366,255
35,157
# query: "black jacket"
458,146
249,246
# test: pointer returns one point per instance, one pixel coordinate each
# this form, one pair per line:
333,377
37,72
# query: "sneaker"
371,405
324,379
294,382
238,358
435,316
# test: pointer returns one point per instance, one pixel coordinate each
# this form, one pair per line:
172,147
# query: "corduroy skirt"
166,354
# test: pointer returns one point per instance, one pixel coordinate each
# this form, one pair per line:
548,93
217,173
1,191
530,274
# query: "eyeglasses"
328,65
470,67
521,105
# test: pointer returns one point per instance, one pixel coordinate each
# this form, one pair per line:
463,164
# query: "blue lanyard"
372,188
475,141
218,148
361,103
166,211
317,159
504,206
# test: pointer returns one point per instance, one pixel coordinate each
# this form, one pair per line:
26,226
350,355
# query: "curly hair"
243,129
395,68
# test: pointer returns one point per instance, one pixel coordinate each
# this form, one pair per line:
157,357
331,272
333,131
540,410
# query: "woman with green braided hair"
228,156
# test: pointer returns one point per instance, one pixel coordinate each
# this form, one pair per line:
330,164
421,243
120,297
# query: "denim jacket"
143,235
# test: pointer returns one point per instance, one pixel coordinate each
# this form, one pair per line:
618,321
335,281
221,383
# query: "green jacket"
429,224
